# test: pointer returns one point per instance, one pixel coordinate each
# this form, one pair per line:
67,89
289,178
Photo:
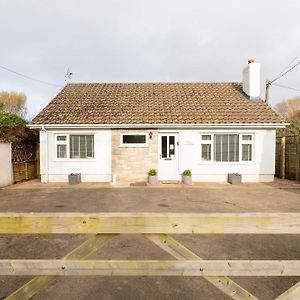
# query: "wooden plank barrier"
155,227
139,223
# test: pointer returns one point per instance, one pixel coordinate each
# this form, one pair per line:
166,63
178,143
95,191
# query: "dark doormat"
140,183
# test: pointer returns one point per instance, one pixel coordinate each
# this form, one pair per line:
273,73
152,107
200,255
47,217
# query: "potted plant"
187,177
152,176
74,178
234,178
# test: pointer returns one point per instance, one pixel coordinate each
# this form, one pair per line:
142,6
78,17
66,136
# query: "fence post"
282,158
26,170
298,159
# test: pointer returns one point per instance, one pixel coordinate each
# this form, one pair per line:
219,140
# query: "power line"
28,77
298,55
284,73
286,87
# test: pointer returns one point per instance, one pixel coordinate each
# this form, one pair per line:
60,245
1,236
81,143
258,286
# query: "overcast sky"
145,40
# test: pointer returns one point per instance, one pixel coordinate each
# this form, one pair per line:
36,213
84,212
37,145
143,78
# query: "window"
61,151
134,140
247,147
206,147
226,147
81,146
61,146
75,146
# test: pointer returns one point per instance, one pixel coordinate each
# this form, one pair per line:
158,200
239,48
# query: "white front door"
168,156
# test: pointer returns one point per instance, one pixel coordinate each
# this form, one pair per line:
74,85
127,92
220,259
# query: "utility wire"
28,77
286,87
284,73
285,68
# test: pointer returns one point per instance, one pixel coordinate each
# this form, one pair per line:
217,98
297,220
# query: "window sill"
134,146
226,163
74,159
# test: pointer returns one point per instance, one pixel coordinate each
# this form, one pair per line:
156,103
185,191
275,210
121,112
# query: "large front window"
226,147
75,146
81,146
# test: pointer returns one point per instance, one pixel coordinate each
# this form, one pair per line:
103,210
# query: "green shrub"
187,173
10,120
152,172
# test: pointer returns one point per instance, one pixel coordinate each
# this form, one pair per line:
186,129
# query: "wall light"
150,135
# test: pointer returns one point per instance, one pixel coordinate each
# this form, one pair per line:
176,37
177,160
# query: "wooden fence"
288,157
156,227
25,170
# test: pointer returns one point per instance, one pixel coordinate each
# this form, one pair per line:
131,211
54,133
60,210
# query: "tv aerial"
68,76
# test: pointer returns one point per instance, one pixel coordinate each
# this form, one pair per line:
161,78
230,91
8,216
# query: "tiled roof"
154,103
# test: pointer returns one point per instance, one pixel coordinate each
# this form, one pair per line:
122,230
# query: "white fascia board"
165,126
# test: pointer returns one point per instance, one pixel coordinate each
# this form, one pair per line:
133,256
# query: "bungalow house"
118,131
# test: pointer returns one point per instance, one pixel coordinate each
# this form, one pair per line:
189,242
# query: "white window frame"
207,142
246,142
134,145
67,143
241,142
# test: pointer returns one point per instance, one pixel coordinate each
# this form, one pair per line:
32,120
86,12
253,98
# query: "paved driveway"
281,196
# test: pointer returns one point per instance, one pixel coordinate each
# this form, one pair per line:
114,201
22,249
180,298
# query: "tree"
13,102
10,120
289,108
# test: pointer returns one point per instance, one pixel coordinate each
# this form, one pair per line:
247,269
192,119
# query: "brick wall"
133,163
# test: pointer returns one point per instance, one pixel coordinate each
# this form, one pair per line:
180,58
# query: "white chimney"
251,79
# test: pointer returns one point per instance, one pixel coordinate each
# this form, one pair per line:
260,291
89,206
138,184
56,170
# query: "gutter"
47,155
164,126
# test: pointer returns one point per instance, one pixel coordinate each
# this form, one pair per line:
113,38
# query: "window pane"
61,138
226,147
171,145
206,152
164,145
90,146
134,139
81,146
61,151
247,152
233,147
206,137
218,147
247,137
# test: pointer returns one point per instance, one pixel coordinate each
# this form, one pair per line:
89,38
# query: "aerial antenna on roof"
68,76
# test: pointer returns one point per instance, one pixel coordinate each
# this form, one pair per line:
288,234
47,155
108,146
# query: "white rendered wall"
261,169
6,176
97,169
